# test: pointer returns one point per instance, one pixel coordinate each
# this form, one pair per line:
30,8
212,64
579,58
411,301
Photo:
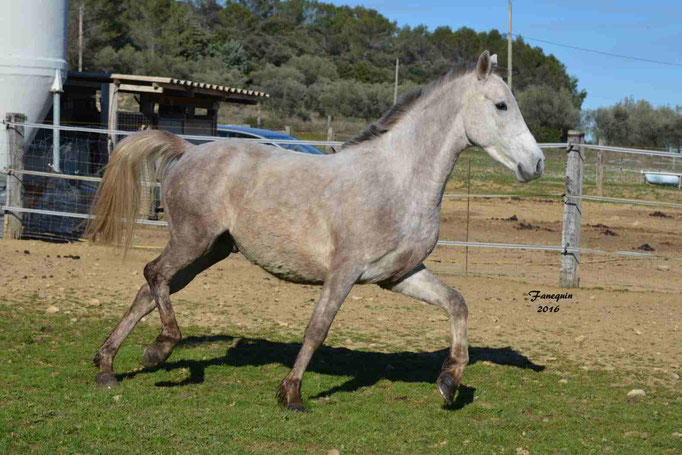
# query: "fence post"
600,169
13,222
570,235
330,133
287,130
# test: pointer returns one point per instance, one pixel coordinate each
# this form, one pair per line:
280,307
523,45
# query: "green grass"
216,395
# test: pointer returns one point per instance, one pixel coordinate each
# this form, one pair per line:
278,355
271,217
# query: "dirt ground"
625,315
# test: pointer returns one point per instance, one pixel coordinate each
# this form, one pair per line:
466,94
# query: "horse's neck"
425,145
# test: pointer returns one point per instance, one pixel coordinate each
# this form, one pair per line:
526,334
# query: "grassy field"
621,179
216,395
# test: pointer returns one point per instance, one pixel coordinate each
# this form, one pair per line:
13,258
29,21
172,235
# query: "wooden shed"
175,105
91,100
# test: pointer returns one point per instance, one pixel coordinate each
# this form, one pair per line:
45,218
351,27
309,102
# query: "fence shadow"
366,368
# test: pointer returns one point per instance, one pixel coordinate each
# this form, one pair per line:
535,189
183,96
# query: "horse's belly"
285,260
292,271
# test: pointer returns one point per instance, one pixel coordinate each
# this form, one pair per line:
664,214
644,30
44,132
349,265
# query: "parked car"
246,132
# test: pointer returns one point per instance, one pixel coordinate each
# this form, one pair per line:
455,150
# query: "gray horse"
369,214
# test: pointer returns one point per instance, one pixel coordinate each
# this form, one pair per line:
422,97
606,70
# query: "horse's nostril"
539,167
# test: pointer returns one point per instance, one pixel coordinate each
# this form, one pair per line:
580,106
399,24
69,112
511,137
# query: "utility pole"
395,91
509,49
80,37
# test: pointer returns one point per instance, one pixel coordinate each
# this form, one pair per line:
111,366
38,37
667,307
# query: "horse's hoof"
447,386
296,407
152,356
107,380
290,398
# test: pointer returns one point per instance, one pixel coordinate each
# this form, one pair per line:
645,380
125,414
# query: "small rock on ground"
52,309
636,393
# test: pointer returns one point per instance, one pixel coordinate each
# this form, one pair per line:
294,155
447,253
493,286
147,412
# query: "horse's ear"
484,66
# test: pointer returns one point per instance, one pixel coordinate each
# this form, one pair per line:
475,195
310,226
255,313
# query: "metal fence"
56,205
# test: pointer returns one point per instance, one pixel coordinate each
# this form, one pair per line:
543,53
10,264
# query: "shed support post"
13,221
570,236
112,114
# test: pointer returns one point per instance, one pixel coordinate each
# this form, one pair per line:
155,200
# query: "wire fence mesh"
56,205
82,154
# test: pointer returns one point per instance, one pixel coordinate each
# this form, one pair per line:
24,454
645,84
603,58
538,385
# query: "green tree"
102,27
231,55
332,59
157,25
636,123
549,113
285,86
314,68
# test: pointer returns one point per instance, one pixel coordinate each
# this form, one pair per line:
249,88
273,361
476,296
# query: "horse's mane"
405,103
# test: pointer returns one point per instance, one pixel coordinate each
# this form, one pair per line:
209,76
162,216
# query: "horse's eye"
501,106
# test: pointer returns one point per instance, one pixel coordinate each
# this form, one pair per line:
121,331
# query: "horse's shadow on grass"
366,368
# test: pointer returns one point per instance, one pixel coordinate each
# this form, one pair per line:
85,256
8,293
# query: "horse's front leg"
334,291
423,285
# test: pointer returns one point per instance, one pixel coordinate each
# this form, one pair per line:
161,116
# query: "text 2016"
548,309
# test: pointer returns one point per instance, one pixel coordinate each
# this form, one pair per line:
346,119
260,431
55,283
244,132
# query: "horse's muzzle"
531,174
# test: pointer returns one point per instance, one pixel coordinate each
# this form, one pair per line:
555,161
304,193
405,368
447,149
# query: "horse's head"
492,121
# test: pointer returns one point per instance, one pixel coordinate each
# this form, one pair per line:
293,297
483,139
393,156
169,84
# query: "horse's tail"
117,201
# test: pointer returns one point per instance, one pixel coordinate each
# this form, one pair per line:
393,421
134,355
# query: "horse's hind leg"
423,285
144,303
104,360
169,273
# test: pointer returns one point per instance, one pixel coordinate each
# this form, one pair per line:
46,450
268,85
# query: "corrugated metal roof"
168,82
219,88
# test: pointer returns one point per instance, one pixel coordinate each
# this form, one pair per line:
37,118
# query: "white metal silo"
32,48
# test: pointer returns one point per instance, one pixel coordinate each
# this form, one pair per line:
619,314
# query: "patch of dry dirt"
625,315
